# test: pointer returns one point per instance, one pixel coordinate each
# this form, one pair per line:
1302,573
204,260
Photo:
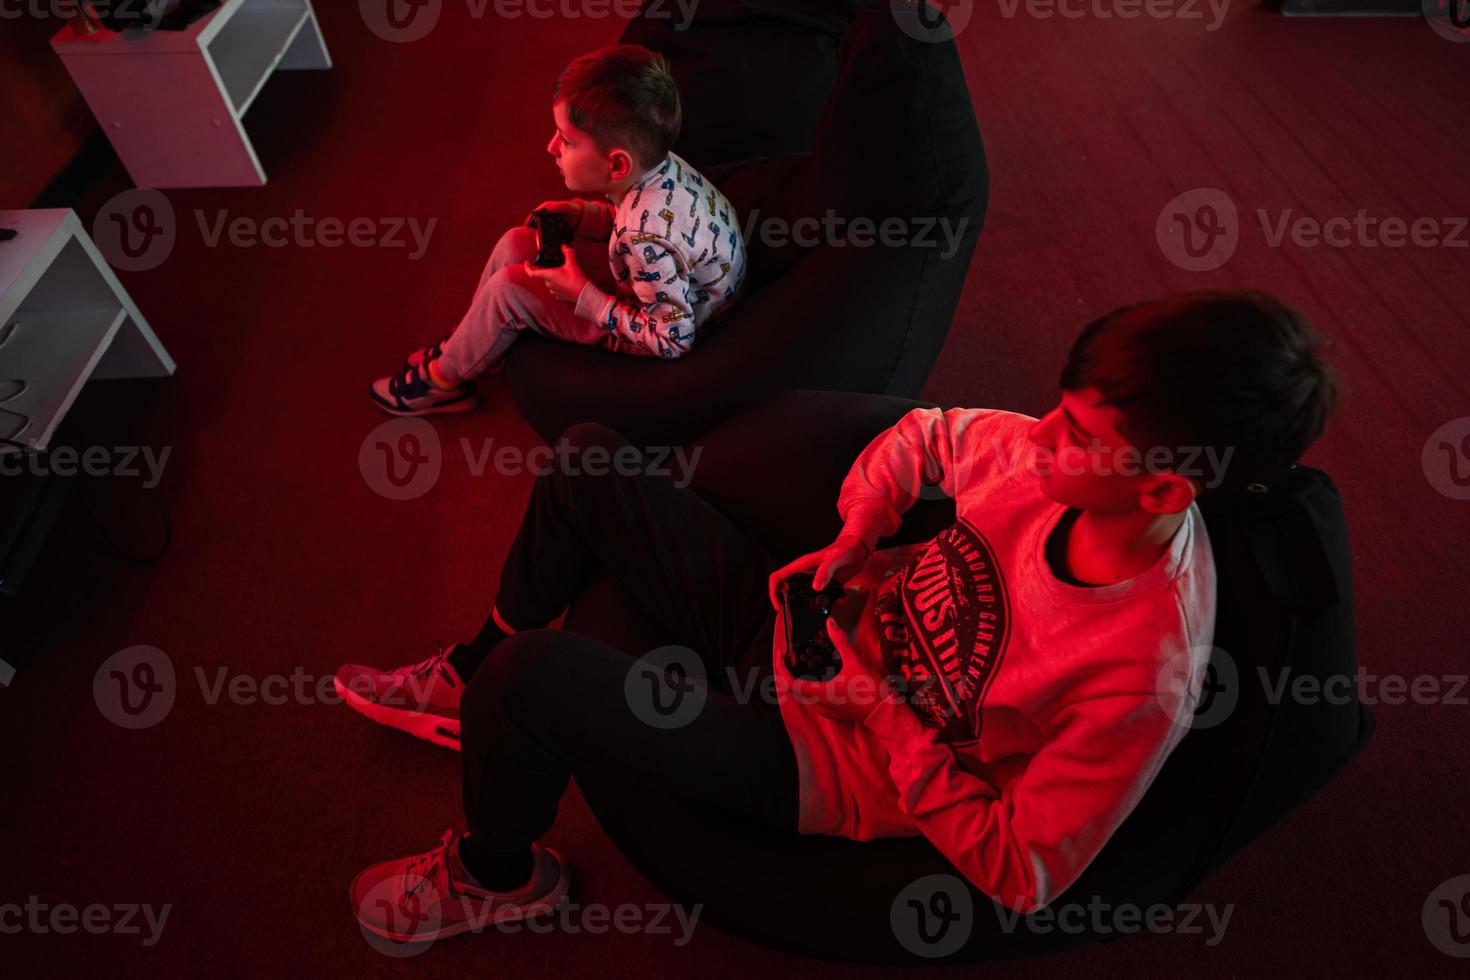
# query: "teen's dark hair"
1239,370
623,95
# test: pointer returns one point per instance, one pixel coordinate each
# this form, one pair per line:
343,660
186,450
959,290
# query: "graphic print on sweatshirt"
943,622
677,256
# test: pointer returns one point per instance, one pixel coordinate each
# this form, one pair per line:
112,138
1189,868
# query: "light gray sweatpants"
507,301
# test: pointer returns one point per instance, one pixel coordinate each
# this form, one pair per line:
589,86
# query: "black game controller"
552,232
809,651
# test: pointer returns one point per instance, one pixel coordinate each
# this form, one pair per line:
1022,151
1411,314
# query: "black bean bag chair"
722,59
896,139
775,469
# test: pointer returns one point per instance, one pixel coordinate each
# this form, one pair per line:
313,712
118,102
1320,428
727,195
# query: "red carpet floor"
250,819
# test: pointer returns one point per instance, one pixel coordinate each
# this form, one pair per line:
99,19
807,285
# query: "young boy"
674,242
1009,689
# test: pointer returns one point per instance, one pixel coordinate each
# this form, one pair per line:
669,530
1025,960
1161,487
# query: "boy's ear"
1167,493
619,164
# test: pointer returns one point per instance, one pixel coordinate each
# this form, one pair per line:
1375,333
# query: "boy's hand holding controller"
837,562
572,212
565,281
859,686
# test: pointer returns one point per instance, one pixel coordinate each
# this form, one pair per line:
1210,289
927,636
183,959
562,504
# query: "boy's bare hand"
564,282
837,562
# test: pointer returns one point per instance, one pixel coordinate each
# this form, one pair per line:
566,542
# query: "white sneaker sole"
444,408
429,727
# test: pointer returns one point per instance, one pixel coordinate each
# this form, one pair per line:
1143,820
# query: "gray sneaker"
424,897
410,392
421,699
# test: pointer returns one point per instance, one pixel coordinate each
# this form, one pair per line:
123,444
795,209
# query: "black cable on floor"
101,525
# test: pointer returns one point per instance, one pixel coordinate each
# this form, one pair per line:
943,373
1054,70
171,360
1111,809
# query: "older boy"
1000,685
674,242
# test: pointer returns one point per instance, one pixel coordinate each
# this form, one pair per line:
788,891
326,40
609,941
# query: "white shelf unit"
173,102
64,319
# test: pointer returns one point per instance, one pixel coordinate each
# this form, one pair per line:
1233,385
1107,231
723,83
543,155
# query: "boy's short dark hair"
623,95
1234,370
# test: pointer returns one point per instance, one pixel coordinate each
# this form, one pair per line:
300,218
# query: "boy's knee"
526,670
510,277
517,245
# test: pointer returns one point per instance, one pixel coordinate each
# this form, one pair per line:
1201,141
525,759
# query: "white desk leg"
135,351
309,50
192,139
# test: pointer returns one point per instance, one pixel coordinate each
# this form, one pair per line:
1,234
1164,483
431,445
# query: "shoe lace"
429,665
410,384
411,684
429,870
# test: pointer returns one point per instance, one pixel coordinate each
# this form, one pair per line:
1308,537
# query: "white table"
172,102
64,319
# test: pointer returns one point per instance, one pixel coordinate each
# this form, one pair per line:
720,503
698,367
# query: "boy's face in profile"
1083,461
585,167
